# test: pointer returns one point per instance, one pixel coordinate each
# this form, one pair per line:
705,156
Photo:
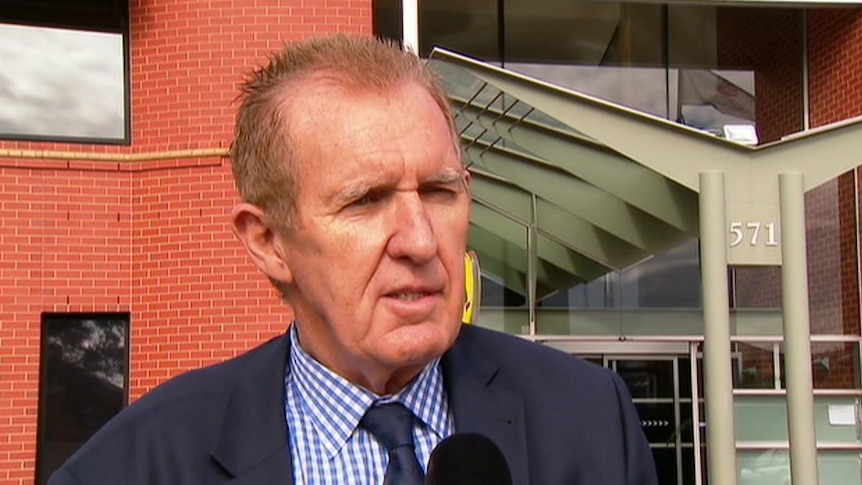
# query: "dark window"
83,381
387,19
64,74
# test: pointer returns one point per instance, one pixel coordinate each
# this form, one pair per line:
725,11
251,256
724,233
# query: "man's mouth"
410,295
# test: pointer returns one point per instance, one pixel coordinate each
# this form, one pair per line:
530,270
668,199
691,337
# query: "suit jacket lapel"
480,404
252,442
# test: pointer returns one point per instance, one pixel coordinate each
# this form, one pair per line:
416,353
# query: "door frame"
652,350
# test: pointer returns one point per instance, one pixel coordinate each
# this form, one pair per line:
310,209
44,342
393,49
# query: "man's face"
376,260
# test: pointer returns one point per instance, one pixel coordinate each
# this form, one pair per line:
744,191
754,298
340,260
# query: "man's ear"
262,242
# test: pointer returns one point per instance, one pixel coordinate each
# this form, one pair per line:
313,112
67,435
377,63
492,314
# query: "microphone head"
467,458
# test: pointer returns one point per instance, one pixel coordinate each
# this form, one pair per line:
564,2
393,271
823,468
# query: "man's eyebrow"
445,177
354,190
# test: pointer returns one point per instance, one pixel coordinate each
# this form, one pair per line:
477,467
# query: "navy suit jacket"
557,419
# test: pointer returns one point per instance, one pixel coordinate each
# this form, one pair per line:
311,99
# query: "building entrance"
661,390
668,398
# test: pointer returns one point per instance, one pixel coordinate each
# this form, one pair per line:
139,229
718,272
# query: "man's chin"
418,345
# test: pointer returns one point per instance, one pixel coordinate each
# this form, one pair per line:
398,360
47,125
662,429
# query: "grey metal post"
797,331
718,384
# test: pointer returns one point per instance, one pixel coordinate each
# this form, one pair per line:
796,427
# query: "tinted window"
83,381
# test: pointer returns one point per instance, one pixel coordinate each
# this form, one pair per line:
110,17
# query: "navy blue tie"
392,424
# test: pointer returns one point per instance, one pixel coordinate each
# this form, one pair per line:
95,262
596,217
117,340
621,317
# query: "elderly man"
356,207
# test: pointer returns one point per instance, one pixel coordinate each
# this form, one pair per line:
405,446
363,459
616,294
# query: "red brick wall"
834,65
150,238
196,298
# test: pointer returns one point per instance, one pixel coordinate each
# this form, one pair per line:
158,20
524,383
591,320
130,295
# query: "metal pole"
532,263
797,331
695,412
718,384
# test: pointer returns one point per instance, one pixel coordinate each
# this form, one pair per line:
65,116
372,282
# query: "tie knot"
391,423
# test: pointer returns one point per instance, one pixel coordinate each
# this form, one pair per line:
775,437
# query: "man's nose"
412,230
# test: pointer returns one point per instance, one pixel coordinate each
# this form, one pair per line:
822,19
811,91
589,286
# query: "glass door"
661,387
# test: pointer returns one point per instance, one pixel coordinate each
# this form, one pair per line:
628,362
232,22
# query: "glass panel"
502,248
831,243
686,425
834,365
756,288
753,365
844,467
684,377
87,101
83,382
764,418
668,280
609,50
760,418
665,464
687,461
657,420
837,418
726,56
387,19
469,28
660,296
764,467
648,379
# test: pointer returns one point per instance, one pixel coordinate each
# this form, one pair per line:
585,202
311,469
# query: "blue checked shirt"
323,412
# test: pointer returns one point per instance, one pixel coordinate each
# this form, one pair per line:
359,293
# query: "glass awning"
592,209
567,187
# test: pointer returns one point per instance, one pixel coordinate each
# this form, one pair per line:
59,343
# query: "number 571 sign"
749,232
753,235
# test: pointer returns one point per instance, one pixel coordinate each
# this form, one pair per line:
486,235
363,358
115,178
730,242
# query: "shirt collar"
335,405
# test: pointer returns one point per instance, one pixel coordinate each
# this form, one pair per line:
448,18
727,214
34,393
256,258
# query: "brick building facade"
146,237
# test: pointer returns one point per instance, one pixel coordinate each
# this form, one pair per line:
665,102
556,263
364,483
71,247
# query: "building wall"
768,42
835,94
835,91
150,238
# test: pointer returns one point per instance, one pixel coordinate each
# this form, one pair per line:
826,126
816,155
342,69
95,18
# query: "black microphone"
467,458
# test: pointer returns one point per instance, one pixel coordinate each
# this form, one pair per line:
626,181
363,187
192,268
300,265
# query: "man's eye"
439,192
365,200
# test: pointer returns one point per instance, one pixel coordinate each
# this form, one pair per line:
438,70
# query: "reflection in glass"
667,280
86,101
835,365
830,239
469,28
753,365
83,382
501,244
764,467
